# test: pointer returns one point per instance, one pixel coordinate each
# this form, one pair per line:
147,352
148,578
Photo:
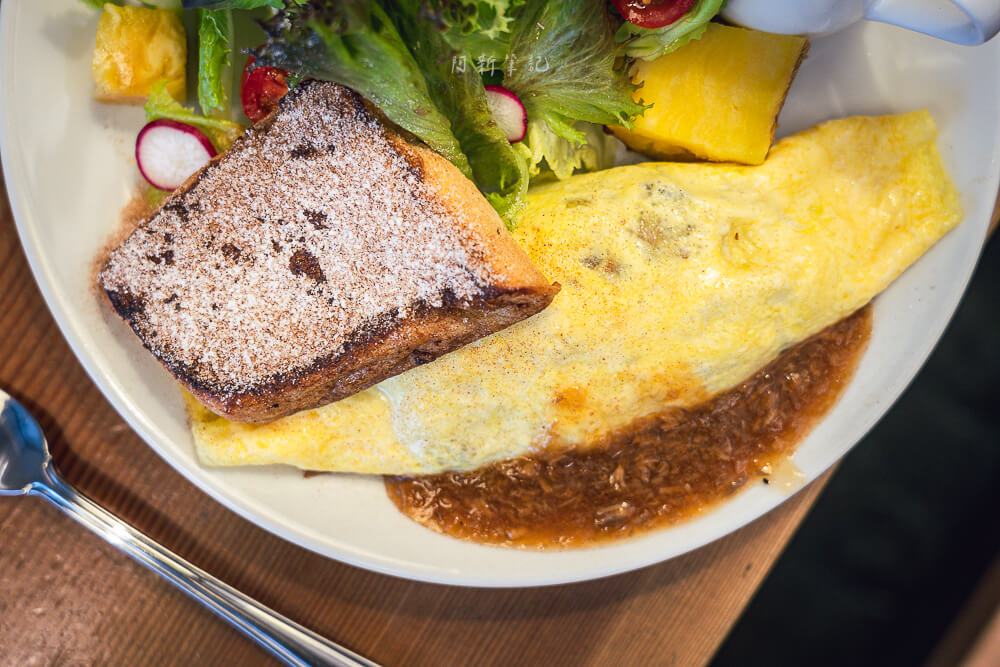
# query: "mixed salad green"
427,64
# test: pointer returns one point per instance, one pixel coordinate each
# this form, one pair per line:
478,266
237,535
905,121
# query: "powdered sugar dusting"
302,238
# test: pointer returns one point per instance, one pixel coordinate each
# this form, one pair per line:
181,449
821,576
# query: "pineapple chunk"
716,98
135,48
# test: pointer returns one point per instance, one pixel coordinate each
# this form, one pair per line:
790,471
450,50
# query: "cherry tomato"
261,89
652,13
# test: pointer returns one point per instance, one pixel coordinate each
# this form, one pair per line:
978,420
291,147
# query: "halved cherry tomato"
652,13
261,89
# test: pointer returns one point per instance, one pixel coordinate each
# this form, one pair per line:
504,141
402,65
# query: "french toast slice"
319,255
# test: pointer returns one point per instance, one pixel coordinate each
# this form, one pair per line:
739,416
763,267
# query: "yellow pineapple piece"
135,48
716,98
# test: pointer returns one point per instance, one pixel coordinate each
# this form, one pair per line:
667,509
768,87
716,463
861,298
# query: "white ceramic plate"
69,170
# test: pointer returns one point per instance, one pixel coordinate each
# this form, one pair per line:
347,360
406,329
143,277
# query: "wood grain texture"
68,598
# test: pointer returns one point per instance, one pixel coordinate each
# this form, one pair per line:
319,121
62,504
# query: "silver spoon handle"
283,638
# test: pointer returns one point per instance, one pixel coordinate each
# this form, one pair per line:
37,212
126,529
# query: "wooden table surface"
68,598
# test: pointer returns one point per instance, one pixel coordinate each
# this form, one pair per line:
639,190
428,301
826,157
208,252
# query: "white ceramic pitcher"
960,21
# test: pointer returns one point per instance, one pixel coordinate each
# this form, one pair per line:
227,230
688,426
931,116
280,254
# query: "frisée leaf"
546,151
480,29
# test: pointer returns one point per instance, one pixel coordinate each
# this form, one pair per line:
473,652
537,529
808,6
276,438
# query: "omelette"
679,281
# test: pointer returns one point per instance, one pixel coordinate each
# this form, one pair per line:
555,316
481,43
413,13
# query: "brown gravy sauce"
660,472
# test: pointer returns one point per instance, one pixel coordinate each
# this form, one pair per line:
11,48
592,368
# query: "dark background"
907,526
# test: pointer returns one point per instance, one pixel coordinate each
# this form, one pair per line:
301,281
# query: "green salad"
507,90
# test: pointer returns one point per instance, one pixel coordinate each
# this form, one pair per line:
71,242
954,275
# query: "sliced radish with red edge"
508,112
169,151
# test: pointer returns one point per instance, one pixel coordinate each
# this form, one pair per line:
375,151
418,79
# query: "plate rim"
232,499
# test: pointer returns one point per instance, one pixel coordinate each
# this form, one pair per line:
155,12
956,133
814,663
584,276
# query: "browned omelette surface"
666,469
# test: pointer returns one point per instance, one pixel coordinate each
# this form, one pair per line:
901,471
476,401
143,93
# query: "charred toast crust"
379,346
381,350
377,354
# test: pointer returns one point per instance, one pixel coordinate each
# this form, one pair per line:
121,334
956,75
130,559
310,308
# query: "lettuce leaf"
161,104
215,77
562,67
411,59
498,170
547,152
354,43
651,43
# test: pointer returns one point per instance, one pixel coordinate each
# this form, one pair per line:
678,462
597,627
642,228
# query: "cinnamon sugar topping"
304,236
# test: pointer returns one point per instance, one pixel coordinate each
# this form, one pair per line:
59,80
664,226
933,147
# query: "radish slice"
168,152
508,112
